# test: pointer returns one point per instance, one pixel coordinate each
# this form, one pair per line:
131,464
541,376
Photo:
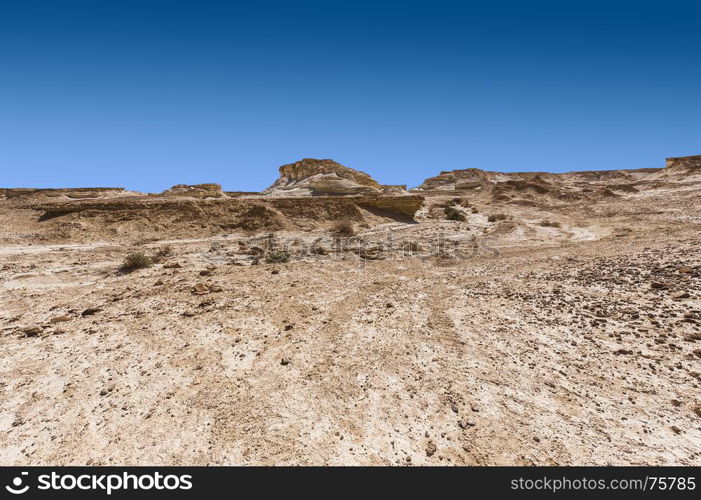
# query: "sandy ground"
577,344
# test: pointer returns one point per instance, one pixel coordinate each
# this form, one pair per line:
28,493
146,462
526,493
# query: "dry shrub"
344,227
454,214
136,260
276,256
497,217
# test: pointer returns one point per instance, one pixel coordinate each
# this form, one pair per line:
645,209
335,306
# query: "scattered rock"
623,351
200,289
430,449
659,285
465,423
90,311
32,331
60,319
685,270
681,295
285,361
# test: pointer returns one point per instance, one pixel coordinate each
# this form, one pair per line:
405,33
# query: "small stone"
60,319
275,271
288,327
90,311
32,331
431,449
172,265
681,295
685,270
465,423
188,314
205,272
215,288
623,351
454,407
474,407
676,429
659,285
160,282
285,361
200,289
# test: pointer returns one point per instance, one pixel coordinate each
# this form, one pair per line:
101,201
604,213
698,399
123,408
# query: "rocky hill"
681,169
312,177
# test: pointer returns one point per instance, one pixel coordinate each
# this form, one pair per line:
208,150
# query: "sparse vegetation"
497,217
276,256
344,227
452,213
136,260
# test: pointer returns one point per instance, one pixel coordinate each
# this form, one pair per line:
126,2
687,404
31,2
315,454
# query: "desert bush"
453,214
344,227
136,260
276,256
497,217
550,223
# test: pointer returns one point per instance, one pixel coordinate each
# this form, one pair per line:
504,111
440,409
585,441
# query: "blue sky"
146,94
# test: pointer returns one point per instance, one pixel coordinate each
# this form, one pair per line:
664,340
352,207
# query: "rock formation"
311,177
196,190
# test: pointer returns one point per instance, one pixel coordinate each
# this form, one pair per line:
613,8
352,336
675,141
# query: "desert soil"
569,343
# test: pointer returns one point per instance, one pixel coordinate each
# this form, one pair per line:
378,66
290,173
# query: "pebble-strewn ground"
582,347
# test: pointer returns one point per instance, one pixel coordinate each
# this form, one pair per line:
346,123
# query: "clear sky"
150,93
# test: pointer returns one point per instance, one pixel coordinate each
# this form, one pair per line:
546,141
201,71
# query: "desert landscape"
481,318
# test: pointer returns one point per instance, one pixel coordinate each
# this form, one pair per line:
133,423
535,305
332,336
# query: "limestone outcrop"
312,177
196,191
